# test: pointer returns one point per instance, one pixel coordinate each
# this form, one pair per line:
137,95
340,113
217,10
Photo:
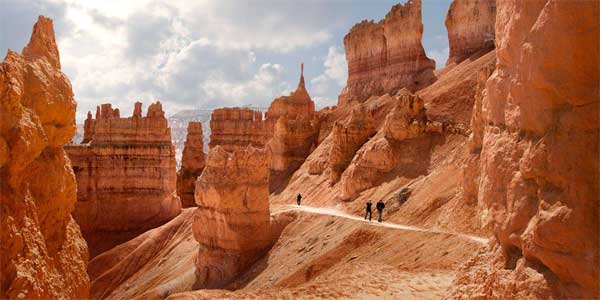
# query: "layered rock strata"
347,138
235,128
537,140
387,56
470,25
43,253
232,221
126,176
192,164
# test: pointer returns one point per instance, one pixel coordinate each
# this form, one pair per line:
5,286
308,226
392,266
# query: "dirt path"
337,213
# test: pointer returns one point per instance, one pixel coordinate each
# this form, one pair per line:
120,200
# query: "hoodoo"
232,221
470,25
192,164
387,56
43,253
295,128
126,176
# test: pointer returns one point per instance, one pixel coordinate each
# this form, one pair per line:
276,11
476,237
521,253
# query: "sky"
206,53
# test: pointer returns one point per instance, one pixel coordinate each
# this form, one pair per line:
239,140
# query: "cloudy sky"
207,53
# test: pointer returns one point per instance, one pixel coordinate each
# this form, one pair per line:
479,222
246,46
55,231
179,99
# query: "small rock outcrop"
390,149
192,164
537,138
235,128
43,253
126,176
232,221
347,138
470,25
295,128
387,56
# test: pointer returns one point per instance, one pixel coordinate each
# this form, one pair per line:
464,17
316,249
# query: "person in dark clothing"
380,206
369,212
298,199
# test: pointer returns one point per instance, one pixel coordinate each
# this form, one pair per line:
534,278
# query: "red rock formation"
538,166
232,221
126,176
386,56
43,253
348,138
470,25
390,148
295,128
192,164
235,128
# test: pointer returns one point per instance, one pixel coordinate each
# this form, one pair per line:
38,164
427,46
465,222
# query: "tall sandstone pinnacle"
234,128
470,25
192,164
232,221
126,176
43,253
387,56
536,134
294,126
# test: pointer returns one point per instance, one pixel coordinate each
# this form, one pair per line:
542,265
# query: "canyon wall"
536,134
43,253
192,164
126,176
387,56
470,25
232,221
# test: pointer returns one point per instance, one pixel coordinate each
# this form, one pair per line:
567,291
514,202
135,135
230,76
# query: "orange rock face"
295,129
235,128
126,176
43,253
470,25
192,164
348,138
232,221
539,170
386,56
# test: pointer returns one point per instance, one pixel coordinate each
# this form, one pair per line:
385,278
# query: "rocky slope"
43,253
387,56
470,25
232,221
126,176
192,164
535,131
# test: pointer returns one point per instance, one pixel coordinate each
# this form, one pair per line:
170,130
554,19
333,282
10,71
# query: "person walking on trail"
369,212
380,206
298,199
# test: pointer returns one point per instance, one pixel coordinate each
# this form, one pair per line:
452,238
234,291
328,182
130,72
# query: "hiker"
298,199
380,206
369,213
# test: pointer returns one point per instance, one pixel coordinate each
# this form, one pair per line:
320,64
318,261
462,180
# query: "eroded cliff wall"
536,136
387,56
126,176
470,25
43,253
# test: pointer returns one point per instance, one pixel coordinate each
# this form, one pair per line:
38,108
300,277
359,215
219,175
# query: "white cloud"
333,77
